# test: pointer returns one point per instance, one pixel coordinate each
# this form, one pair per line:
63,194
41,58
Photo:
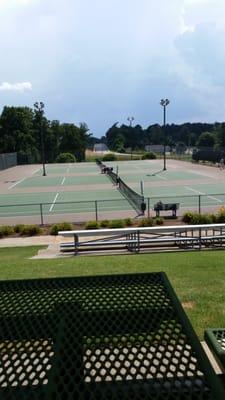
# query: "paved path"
52,243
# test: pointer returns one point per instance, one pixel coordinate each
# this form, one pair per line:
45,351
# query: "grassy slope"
198,277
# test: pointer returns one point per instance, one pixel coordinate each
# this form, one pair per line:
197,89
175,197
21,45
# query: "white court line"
36,170
17,183
50,209
205,194
63,180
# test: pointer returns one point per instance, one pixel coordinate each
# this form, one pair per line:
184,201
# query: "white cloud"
120,56
15,87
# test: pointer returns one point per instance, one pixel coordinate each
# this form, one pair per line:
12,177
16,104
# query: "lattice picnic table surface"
104,337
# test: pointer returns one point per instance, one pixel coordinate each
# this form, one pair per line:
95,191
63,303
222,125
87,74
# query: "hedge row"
31,230
23,230
195,218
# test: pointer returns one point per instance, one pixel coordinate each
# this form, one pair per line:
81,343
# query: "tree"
220,135
65,158
17,133
206,139
155,134
73,140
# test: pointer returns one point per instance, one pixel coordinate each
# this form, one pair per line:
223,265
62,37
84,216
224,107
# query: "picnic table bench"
215,339
100,337
166,207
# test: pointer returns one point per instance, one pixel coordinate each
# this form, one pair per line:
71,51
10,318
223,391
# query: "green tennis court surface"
80,188
46,181
60,202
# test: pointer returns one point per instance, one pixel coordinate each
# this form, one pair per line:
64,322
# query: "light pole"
164,103
39,108
130,119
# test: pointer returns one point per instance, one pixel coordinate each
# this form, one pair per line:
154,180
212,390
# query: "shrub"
18,228
220,218
1,233
149,156
159,221
54,229
128,222
109,157
7,230
104,223
92,225
188,217
62,226
116,223
146,222
65,158
197,219
31,230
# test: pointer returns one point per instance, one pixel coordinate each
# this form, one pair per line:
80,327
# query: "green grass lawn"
197,277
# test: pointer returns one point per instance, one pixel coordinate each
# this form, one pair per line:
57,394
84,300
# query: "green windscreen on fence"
8,160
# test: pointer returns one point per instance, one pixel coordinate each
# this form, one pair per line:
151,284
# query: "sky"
102,61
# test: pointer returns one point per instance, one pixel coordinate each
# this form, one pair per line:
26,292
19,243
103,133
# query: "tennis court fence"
8,160
81,211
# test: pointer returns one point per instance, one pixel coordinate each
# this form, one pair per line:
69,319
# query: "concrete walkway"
52,251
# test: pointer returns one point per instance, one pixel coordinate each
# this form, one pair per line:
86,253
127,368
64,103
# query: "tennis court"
182,182
79,192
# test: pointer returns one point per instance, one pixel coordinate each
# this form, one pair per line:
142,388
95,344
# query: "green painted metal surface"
215,338
103,337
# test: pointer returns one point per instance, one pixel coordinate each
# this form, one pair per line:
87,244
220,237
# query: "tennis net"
135,199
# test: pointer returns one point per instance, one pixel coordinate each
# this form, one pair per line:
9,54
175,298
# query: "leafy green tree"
65,158
206,139
17,133
155,134
220,135
73,140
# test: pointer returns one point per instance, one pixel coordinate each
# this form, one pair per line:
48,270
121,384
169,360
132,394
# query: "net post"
199,204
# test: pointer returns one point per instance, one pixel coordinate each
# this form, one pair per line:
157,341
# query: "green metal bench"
117,337
166,207
215,338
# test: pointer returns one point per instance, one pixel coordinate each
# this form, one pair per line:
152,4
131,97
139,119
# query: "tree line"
120,138
21,129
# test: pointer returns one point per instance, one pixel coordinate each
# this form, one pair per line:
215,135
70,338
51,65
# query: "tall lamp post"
130,119
164,103
39,108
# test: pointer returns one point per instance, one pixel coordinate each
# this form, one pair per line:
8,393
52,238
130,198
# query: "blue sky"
100,61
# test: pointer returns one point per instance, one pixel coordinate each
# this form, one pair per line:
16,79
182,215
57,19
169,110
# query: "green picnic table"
103,337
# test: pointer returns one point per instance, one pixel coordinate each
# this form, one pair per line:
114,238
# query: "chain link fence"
81,211
8,160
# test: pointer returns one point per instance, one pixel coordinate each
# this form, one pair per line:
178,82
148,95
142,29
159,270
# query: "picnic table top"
102,337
